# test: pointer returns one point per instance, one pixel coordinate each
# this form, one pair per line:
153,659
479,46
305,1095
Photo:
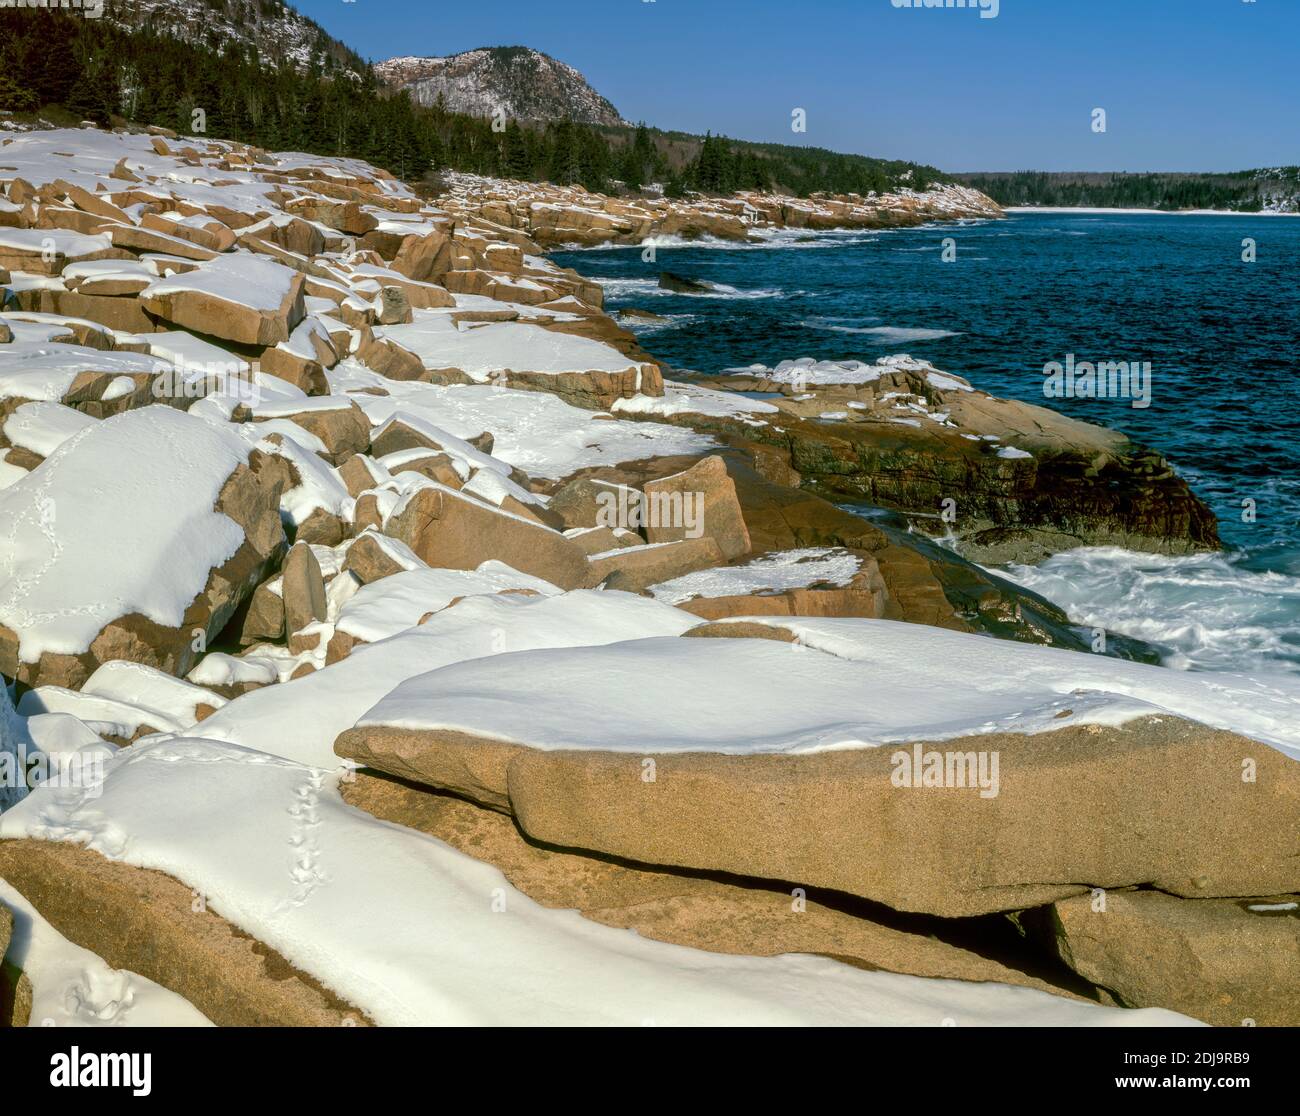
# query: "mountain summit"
275,31
525,83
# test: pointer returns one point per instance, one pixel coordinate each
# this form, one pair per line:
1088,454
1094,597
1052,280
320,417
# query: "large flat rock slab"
1073,811
145,921
783,761
489,623
708,914
580,370
412,931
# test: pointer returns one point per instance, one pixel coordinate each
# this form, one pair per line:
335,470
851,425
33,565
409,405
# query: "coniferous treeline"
1247,191
723,166
54,62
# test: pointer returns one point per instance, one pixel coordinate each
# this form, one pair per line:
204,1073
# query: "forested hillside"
71,69
1251,191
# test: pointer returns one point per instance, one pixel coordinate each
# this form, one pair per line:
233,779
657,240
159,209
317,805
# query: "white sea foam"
829,322
673,241
670,321
724,290
637,288
758,239
1204,611
627,288
888,335
803,238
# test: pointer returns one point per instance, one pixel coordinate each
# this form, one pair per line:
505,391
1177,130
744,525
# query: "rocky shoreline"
390,629
564,216
1023,481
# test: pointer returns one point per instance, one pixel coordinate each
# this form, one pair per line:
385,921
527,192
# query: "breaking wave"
885,335
1203,611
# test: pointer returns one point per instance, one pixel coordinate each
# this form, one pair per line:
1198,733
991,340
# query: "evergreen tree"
711,171
638,159
56,67
515,162
14,97
86,98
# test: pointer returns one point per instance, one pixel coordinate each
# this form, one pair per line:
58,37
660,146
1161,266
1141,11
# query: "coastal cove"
1035,288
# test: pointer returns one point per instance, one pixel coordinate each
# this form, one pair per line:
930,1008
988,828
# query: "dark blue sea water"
1222,336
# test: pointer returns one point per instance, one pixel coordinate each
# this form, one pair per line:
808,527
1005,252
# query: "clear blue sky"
1186,84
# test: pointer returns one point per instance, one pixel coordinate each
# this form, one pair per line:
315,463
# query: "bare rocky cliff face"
524,83
278,33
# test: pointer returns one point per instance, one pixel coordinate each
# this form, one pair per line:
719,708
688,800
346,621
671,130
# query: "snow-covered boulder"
159,931
633,568
94,382
136,539
179,701
40,428
402,928
338,423
809,581
271,720
816,761
239,297
303,359
400,601
373,556
580,370
48,251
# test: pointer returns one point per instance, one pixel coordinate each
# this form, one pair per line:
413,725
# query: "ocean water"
1222,336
